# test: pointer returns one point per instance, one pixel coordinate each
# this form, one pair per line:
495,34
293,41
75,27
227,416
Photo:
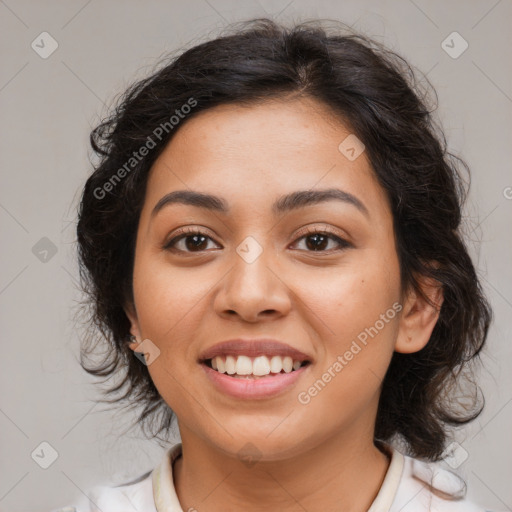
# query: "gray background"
48,108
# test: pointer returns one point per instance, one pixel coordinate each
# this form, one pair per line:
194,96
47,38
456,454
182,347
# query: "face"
320,276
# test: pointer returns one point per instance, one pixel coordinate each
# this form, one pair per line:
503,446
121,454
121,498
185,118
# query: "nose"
253,291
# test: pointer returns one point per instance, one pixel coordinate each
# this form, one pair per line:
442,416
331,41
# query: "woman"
270,244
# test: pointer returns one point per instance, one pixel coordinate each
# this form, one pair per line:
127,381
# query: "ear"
131,313
419,316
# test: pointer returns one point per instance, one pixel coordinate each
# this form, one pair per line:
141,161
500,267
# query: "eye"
316,240
191,240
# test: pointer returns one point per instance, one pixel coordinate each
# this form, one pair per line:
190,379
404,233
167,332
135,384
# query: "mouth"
254,368
244,383
260,367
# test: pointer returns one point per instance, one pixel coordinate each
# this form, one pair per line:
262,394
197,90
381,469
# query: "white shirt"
410,485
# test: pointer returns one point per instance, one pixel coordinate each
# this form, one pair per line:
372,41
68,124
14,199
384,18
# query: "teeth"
257,366
276,364
230,365
261,365
287,364
243,365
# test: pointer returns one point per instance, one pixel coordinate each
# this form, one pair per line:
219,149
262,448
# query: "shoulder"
134,496
139,495
427,486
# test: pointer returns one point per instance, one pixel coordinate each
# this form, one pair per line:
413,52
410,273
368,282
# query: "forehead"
262,151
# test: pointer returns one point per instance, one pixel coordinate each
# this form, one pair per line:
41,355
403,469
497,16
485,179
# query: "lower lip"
264,387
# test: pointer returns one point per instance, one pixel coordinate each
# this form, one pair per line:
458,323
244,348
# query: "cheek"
354,310
358,328
166,296
168,300
344,300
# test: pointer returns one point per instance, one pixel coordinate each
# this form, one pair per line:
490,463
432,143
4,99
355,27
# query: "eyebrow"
284,204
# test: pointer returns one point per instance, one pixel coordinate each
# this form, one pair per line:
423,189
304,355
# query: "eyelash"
186,232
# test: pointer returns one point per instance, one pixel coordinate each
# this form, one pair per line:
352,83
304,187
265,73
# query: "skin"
315,456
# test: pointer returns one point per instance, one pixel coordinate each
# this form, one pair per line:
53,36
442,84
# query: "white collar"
410,485
166,499
164,493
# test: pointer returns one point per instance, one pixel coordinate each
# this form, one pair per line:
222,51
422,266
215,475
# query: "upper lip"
253,348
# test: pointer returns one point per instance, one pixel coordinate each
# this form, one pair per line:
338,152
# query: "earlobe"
130,312
419,316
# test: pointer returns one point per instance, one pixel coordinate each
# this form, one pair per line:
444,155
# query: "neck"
338,474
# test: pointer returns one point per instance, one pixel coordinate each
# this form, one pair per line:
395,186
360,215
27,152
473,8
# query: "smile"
248,385
241,366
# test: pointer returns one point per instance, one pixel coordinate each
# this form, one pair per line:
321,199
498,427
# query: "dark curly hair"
375,92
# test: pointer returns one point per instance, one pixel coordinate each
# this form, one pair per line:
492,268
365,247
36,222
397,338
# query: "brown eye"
318,241
189,241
